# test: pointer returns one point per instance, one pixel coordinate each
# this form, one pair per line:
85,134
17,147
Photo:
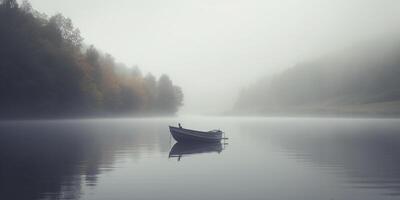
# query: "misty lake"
265,158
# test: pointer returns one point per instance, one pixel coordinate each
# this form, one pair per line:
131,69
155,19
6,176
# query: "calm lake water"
266,158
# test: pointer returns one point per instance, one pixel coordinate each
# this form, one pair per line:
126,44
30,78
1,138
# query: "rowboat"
187,135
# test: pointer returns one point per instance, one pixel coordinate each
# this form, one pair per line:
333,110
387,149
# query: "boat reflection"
185,149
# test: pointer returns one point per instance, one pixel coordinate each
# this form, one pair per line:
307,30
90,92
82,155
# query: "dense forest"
360,80
47,70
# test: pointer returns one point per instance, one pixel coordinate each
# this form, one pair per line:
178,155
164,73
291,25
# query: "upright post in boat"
170,141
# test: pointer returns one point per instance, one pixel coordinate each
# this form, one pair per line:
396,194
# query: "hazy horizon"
213,49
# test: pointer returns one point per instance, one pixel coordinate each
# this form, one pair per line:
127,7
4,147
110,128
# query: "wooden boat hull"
187,135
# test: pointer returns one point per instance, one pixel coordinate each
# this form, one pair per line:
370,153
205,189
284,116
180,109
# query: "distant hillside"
46,71
361,81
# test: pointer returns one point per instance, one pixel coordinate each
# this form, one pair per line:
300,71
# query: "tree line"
362,80
47,70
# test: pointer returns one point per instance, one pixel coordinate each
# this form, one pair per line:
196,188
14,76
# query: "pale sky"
213,48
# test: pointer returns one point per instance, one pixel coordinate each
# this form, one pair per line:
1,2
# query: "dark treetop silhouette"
46,70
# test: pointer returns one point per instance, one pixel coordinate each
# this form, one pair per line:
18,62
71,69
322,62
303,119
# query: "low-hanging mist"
47,70
214,48
362,80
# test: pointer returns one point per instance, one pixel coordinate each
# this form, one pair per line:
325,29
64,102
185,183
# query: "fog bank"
214,48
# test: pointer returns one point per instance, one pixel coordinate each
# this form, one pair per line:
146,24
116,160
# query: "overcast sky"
213,48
